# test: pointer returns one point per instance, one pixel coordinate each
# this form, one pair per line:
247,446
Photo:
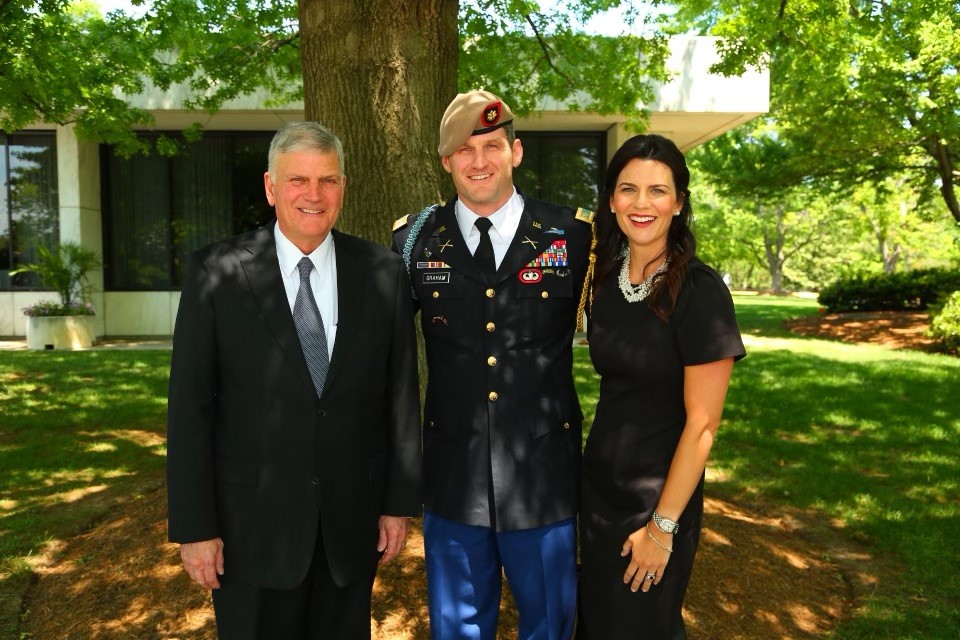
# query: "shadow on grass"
79,432
870,439
757,577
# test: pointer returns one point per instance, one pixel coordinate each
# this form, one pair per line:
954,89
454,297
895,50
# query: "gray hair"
303,136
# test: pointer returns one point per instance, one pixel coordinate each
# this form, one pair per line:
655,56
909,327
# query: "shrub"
911,290
945,324
67,271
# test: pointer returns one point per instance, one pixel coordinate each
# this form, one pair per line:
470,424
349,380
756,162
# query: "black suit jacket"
502,430
253,456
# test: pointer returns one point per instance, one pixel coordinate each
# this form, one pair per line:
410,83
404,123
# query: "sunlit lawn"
77,431
866,439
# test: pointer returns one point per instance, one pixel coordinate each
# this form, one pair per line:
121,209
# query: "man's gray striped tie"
313,339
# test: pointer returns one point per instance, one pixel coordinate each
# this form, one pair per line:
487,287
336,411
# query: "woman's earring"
676,214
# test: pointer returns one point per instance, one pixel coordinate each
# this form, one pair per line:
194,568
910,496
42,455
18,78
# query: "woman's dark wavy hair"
681,244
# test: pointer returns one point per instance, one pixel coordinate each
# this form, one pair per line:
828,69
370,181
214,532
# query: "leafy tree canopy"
65,63
867,89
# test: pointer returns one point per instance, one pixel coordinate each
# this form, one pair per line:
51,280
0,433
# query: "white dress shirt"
323,279
505,221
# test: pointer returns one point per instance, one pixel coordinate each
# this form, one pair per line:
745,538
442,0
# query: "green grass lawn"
865,439
78,431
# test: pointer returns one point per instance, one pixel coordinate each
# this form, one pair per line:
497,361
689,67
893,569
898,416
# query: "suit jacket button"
491,361
493,396
491,293
436,294
316,480
544,294
491,326
321,412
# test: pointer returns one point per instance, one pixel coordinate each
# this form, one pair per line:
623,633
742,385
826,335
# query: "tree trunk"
773,241
948,175
379,75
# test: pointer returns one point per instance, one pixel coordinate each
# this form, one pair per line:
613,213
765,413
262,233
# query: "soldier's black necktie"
313,339
484,253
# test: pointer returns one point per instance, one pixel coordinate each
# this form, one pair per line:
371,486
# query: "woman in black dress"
663,338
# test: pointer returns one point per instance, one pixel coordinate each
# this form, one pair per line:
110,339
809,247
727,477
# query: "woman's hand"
648,560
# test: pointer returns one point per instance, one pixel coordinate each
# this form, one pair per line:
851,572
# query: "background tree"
759,172
871,86
760,219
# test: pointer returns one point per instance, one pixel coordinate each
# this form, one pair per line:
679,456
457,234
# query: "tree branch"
546,51
275,45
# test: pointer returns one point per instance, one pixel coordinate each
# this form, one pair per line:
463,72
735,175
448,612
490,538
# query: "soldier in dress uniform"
498,300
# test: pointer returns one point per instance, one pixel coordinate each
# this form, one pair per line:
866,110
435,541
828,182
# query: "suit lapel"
262,269
529,241
352,277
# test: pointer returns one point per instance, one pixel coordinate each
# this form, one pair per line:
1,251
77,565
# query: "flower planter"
60,332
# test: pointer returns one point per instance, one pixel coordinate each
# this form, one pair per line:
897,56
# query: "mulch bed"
892,329
758,576
761,572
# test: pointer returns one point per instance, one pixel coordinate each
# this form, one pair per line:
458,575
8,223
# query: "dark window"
29,208
159,209
562,168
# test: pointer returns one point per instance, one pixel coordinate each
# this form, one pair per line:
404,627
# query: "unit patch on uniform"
530,276
554,256
584,215
436,277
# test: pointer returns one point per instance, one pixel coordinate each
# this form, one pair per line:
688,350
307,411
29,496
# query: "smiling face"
307,190
482,170
645,200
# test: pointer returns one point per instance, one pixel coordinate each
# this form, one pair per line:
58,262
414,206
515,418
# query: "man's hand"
393,535
204,561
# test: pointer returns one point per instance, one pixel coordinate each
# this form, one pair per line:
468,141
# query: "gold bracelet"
654,538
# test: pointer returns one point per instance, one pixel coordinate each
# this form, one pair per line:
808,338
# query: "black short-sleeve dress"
640,416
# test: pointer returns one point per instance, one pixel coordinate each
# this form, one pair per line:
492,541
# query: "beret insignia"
490,115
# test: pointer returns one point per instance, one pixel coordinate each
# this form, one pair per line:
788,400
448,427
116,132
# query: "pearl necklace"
637,292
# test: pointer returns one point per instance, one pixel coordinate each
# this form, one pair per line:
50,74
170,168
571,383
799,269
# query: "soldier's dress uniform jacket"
502,422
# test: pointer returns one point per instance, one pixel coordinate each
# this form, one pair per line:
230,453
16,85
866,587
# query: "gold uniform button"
493,396
491,326
544,294
491,293
566,425
491,361
436,294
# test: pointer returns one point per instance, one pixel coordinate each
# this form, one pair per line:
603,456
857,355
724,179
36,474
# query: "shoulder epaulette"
400,222
584,215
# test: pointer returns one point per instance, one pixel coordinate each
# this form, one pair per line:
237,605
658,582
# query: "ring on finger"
651,576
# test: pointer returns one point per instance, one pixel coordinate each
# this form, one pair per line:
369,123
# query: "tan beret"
471,114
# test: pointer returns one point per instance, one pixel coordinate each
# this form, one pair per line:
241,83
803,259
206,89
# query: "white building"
142,215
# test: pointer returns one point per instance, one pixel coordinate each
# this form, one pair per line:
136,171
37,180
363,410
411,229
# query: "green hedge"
945,323
911,290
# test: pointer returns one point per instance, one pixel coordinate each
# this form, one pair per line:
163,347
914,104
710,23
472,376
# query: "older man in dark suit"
293,438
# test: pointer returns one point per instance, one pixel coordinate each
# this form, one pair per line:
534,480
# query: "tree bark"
948,175
379,75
